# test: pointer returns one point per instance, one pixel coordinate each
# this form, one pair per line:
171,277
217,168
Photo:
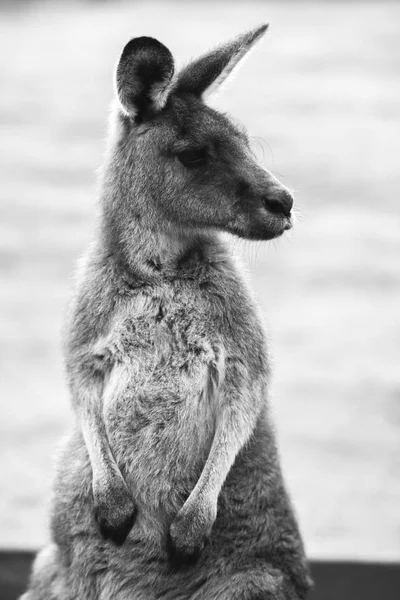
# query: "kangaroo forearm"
114,507
239,403
234,426
95,436
236,420
87,390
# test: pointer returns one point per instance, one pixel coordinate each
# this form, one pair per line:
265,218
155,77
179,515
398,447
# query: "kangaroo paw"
189,534
182,555
114,511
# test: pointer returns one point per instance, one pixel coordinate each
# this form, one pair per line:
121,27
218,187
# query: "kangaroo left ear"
143,77
204,75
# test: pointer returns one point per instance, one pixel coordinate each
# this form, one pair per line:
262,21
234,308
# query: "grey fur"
168,366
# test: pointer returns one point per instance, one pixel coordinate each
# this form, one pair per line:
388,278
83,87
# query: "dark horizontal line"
334,580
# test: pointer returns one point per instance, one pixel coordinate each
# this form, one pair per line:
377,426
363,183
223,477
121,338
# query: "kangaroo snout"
279,201
264,206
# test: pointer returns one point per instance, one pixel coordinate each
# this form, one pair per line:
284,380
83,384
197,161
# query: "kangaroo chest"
167,352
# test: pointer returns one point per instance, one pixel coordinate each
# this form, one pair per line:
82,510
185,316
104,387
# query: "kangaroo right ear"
143,77
207,73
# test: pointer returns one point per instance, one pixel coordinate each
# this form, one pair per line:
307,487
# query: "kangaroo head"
186,164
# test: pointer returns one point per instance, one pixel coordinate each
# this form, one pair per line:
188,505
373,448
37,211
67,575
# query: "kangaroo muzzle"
279,201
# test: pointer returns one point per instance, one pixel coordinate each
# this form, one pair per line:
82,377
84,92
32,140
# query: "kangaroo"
169,485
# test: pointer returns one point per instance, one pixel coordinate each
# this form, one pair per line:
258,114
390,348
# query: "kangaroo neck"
147,253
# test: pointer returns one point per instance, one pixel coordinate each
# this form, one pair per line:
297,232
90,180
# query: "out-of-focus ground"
322,98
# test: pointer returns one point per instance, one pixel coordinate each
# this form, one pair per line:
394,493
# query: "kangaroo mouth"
264,229
288,223
270,226
284,224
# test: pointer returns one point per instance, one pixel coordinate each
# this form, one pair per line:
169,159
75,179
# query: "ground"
321,97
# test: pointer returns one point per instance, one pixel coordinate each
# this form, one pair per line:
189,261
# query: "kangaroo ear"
205,75
143,77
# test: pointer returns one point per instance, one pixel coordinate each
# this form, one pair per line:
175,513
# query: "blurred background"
321,100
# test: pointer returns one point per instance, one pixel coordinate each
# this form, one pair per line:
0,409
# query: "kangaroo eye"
195,157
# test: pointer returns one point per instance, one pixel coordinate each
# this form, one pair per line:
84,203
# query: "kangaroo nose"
280,203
